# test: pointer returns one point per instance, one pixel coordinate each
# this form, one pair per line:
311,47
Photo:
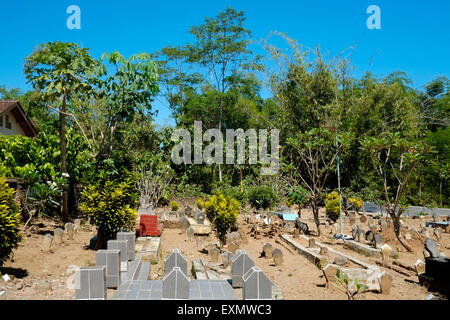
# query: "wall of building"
16,129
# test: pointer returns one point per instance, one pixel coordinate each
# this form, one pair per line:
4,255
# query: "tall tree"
63,71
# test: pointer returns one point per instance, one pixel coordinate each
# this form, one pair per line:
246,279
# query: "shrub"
200,203
355,202
332,206
111,206
174,206
297,195
235,193
9,221
222,211
262,197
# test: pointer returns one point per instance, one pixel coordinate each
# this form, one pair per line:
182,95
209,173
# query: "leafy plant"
9,221
200,203
174,206
262,197
45,198
298,195
332,206
222,211
351,288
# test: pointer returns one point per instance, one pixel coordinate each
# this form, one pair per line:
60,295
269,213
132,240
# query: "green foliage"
332,206
298,195
174,206
45,198
351,289
262,197
9,221
222,211
111,206
200,203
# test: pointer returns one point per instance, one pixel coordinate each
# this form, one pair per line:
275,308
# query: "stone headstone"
47,242
111,260
199,242
188,211
360,235
175,285
352,218
77,223
190,233
200,219
340,261
69,229
90,283
363,219
121,245
370,236
58,235
184,223
312,243
355,231
233,247
383,224
130,237
385,283
303,227
277,256
242,236
386,251
240,264
256,285
267,250
234,237
432,248
378,240
419,266
175,259
214,255
226,258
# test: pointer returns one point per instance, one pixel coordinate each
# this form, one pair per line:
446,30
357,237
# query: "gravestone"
69,229
175,259
188,211
369,236
197,213
419,266
267,250
179,214
296,233
240,264
386,251
302,226
354,231
58,235
256,285
131,238
214,255
47,242
184,223
90,283
175,285
242,236
377,240
312,243
277,257
385,283
200,219
330,271
190,233
360,235
432,248
199,242
226,258
383,224
340,261
323,250
363,219
111,260
233,247
121,245
77,223
234,237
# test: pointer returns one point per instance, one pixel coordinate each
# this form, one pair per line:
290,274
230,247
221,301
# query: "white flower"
65,175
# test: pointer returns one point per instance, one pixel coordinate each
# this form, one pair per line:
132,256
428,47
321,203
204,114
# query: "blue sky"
415,35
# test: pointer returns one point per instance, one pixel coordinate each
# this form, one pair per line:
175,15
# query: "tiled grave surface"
148,247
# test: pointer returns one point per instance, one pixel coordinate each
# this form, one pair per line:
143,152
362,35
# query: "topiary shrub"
174,206
9,221
332,206
112,207
222,211
262,197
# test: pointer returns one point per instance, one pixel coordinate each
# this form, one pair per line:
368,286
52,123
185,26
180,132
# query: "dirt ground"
50,275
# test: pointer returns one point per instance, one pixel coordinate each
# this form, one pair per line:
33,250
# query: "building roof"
16,109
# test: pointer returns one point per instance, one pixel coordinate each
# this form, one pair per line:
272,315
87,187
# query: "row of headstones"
197,215
269,252
58,235
92,282
370,236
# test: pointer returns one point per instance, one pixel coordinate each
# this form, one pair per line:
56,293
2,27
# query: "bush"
297,195
174,206
235,193
200,203
262,197
9,221
111,206
332,206
222,211
356,203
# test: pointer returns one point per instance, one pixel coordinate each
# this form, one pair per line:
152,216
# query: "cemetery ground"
51,275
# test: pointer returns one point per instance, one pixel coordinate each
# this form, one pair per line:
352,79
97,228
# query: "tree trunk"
299,211
315,210
101,243
242,186
396,223
63,144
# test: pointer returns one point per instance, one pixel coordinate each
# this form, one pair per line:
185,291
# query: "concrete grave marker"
58,235
312,243
296,233
240,264
90,283
386,251
69,229
267,250
47,242
256,285
432,248
277,256
121,245
340,261
188,211
419,266
111,260
175,285
77,223
200,218
385,283
214,254
369,236
184,223
360,235
175,259
226,258
190,233
233,247
131,238
378,240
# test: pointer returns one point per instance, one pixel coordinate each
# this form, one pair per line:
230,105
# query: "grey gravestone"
188,211
277,256
302,226
175,285
226,258
233,247
432,248
354,231
77,223
47,242
234,237
69,228
198,242
369,236
200,219
256,285
267,250
111,260
90,283
58,235
240,264
175,259
197,212
383,224
131,238
190,233
184,223
214,254
179,214
121,245
378,240
361,235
